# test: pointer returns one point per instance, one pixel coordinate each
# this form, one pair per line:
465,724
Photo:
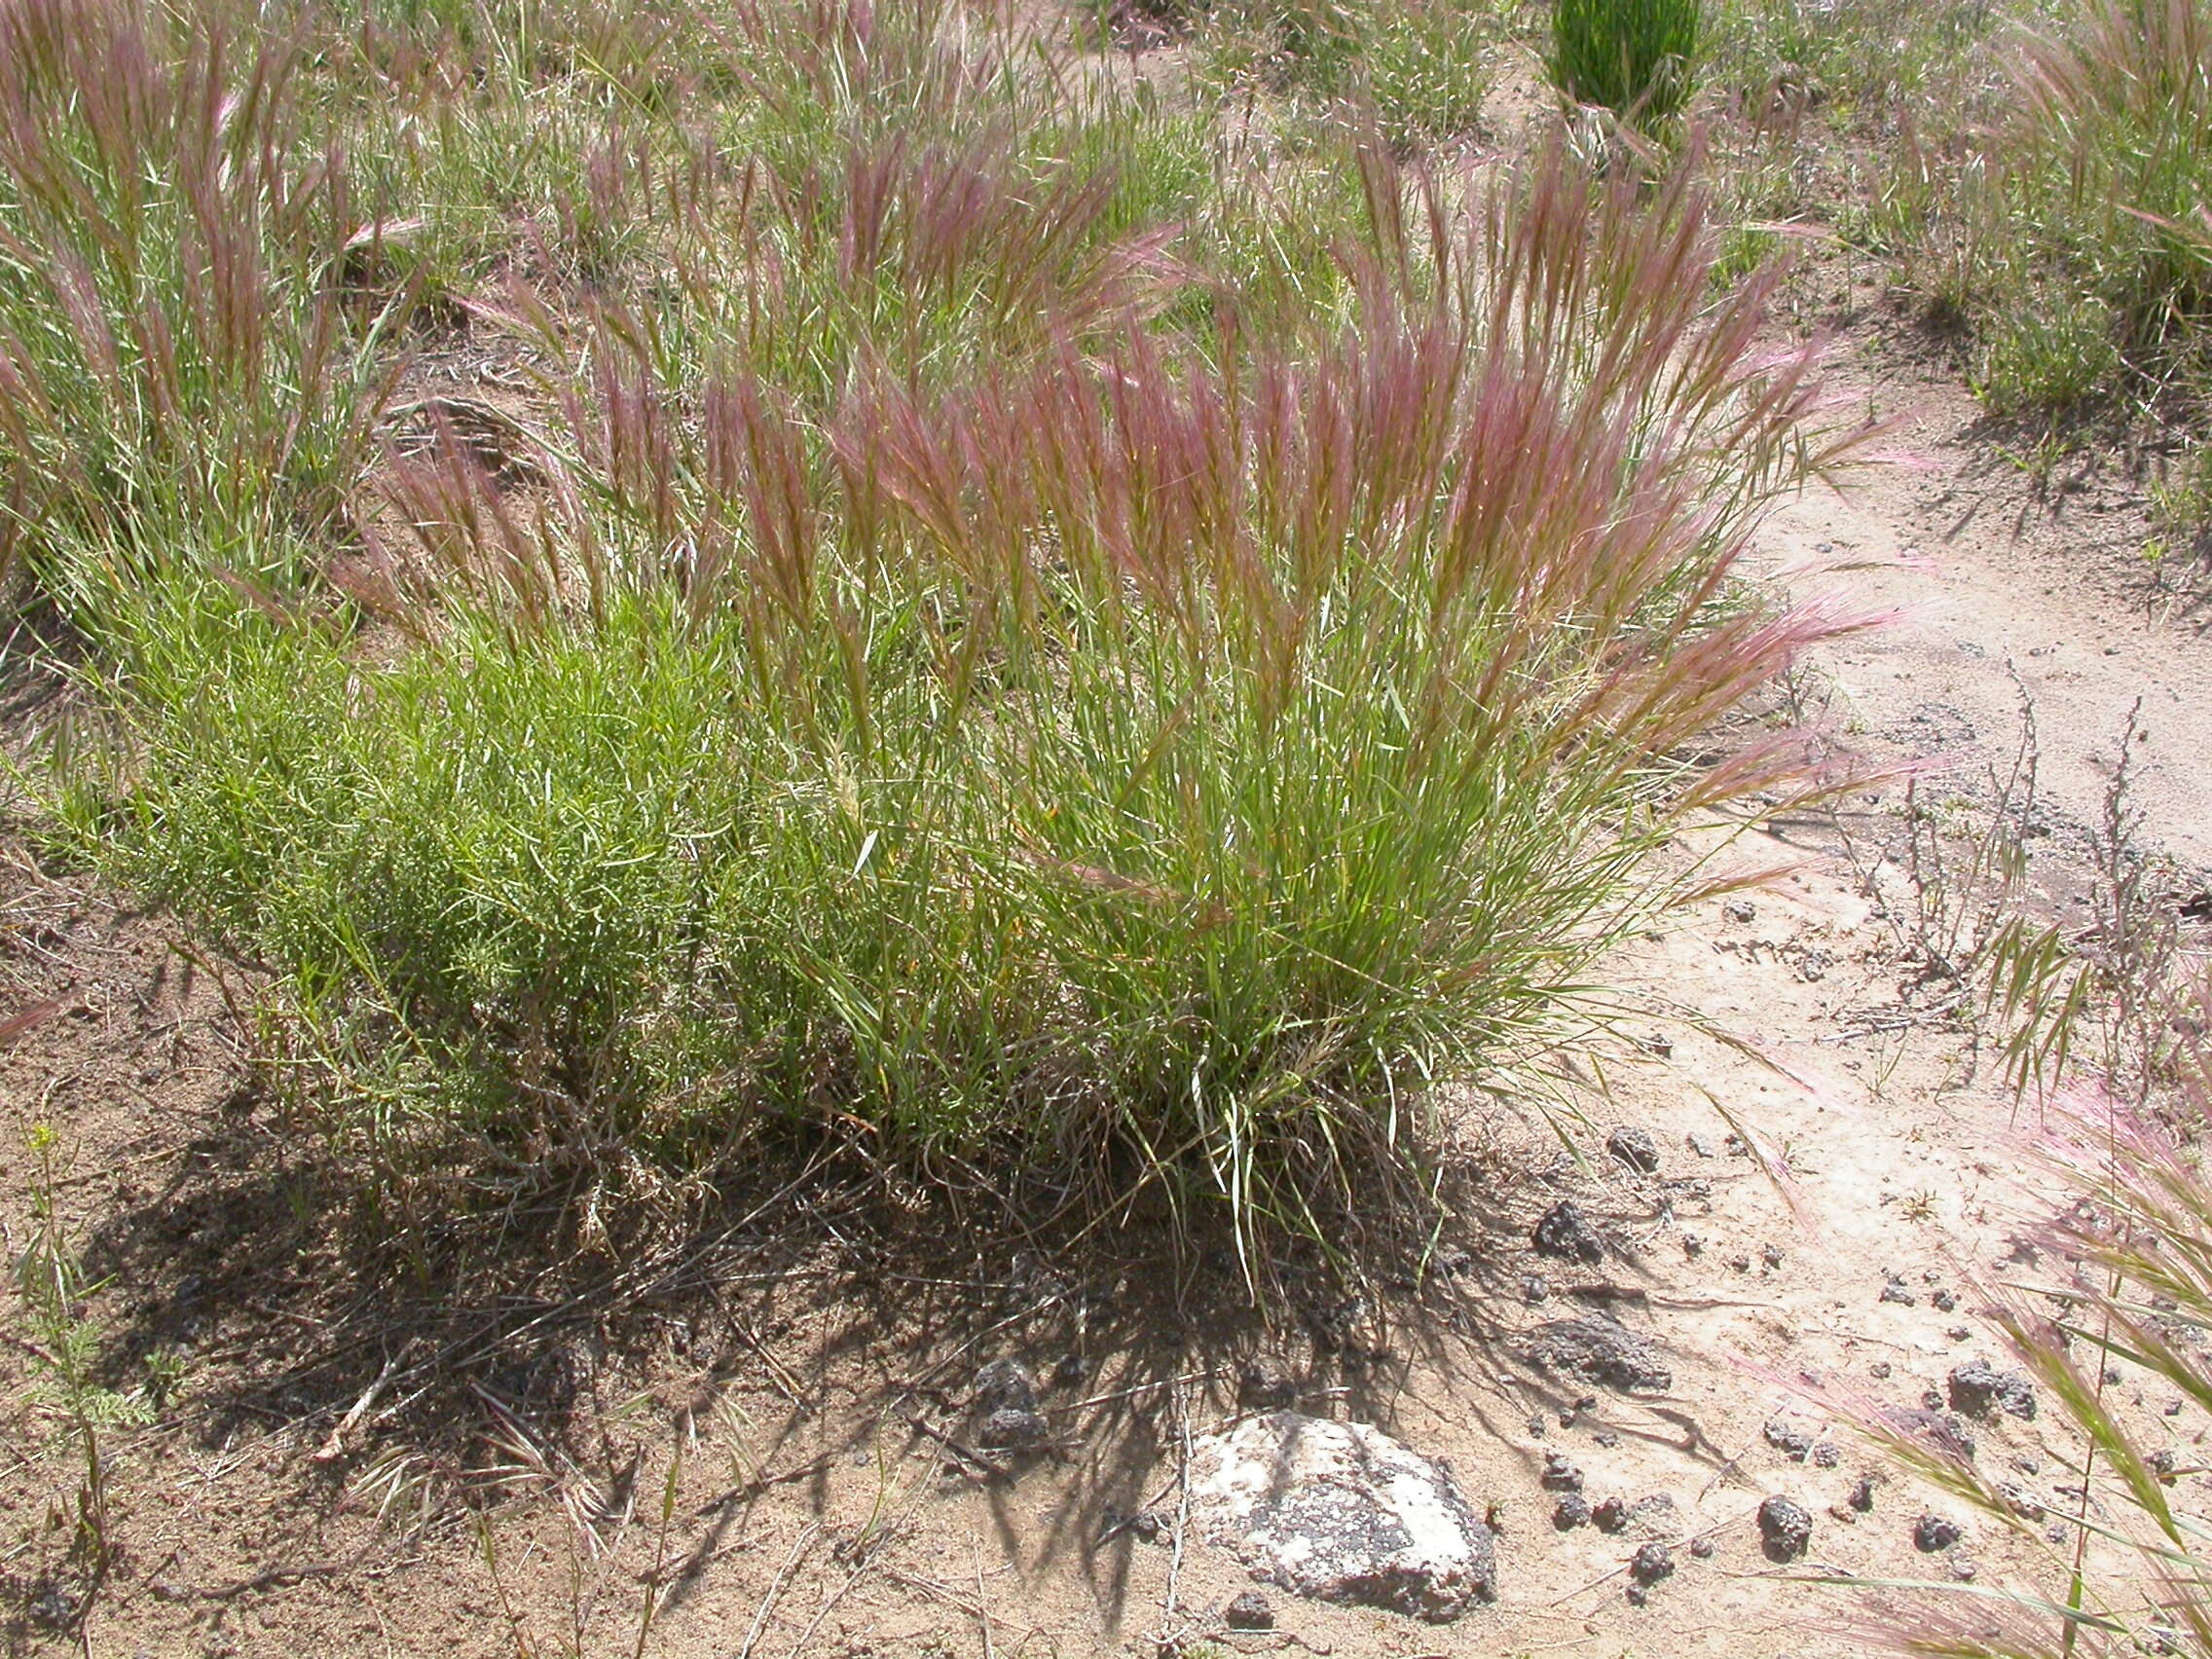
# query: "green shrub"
1132,766
1632,57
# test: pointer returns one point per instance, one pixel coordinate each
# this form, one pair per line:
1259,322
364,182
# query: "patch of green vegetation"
2086,257
1634,57
1003,619
1417,69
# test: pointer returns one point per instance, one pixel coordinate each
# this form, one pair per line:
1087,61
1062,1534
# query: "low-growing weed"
67,1390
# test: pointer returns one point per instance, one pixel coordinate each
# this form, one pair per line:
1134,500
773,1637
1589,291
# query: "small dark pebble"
1002,1385
1633,1148
1962,1569
1248,1609
1772,1256
1785,1527
1933,1532
1879,1370
1959,1334
1931,1399
1571,1512
1826,1456
1792,1443
1692,1244
1977,1388
1897,1293
1863,1494
2019,1501
1564,1231
1701,1547
1943,1300
1536,1288
1010,1428
1739,909
1145,1525
1650,1564
1739,1264
1536,1423
2163,1461
2173,1408
1611,1516
1606,1438
1560,1475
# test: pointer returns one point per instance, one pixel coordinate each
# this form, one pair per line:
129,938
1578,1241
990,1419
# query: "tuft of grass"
2091,264
180,353
1139,761
1417,69
1634,57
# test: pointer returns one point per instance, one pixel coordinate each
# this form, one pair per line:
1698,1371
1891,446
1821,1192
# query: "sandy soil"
759,1436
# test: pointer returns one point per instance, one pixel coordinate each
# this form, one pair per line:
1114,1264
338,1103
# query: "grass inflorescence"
989,620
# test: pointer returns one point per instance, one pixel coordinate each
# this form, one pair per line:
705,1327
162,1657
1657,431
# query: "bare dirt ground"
762,1437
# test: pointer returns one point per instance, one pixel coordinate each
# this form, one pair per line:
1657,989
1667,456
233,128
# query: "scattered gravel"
1651,1562
1978,1389
1792,1442
1012,1429
1597,1350
1560,1475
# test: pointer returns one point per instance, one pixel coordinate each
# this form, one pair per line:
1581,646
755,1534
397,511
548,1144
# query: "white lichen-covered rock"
1343,1512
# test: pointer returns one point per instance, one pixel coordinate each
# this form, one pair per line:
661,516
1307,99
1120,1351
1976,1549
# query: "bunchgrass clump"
180,354
2091,269
1146,760
1417,69
1634,57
